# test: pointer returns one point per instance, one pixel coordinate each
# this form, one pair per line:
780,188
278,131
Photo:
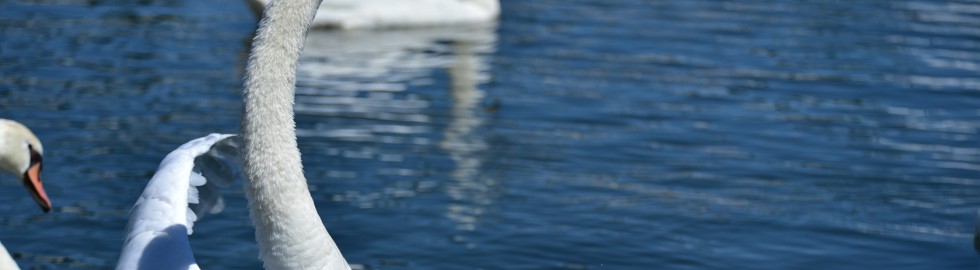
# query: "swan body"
20,154
364,14
163,216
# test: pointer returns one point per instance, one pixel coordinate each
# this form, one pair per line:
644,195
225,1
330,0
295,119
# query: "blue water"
574,134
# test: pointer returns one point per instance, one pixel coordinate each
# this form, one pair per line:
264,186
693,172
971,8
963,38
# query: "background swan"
20,154
288,230
359,14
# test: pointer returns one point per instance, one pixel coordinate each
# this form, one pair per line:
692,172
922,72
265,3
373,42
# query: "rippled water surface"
572,135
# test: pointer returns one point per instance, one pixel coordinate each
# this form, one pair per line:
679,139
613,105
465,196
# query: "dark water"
573,135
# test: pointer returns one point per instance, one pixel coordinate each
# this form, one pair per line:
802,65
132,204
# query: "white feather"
161,219
6,262
365,14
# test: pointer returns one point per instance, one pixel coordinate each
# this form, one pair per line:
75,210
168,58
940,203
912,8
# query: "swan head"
20,154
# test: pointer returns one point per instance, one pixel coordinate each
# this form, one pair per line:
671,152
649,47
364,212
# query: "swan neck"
289,231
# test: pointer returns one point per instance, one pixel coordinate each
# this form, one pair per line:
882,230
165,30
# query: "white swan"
361,14
288,229
20,154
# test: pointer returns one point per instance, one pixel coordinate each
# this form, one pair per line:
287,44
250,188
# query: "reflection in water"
365,75
469,189
363,86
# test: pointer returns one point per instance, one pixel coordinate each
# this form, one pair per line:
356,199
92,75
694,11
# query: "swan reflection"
470,190
366,75
371,86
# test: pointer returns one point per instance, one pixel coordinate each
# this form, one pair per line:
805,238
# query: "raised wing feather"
7,262
181,191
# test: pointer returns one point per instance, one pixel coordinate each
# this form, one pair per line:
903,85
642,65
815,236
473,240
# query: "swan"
365,14
288,229
20,154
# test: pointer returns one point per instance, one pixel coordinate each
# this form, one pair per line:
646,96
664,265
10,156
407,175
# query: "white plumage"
363,14
162,218
6,262
288,228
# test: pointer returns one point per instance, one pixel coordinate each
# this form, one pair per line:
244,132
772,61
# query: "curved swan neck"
287,227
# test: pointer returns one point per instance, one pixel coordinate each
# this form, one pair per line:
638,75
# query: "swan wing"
176,196
7,262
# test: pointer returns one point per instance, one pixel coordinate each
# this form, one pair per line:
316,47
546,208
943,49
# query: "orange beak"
32,181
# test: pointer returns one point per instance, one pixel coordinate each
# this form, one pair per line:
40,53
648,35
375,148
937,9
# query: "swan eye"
35,157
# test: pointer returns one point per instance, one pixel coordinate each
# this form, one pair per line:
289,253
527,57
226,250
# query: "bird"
20,154
377,14
288,229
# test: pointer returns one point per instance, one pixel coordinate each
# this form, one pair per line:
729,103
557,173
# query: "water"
573,135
